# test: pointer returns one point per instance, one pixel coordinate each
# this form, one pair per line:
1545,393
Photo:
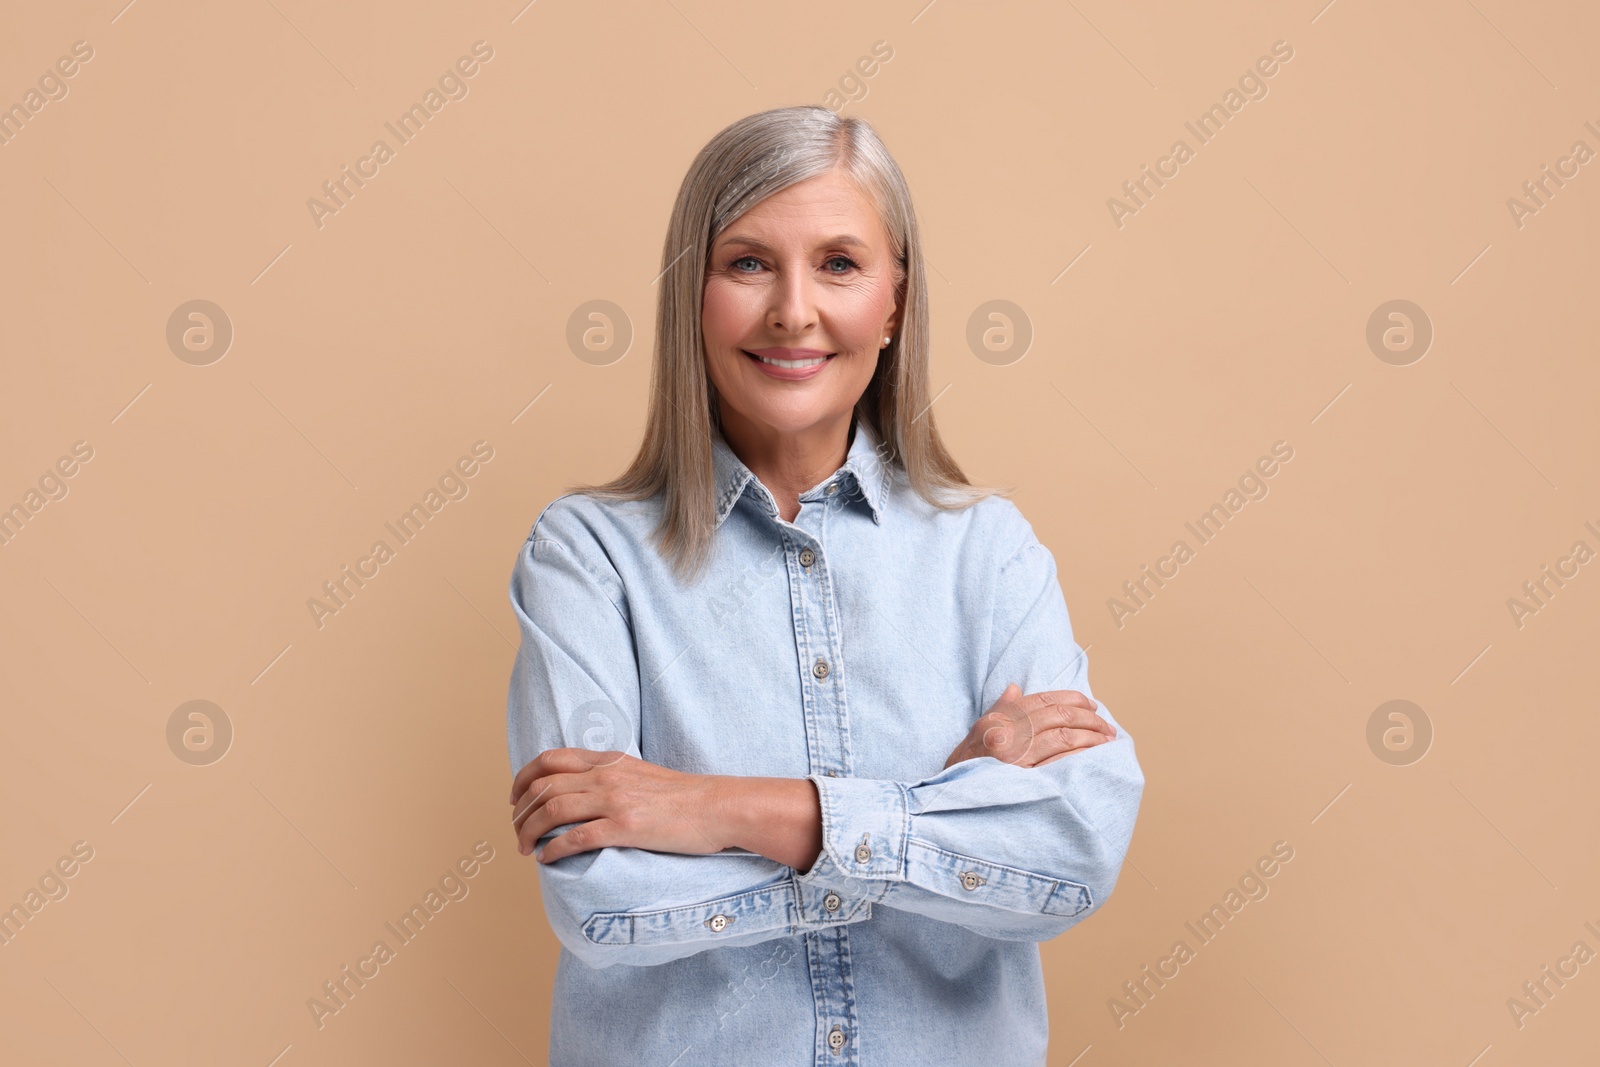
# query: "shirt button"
863,851
807,557
833,487
833,774
719,923
836,1039
821,668
831,902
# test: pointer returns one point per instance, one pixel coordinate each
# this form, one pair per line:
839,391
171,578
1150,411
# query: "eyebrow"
750,242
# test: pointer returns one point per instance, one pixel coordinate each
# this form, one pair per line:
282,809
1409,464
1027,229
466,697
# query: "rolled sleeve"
1016,853
575,684
865,828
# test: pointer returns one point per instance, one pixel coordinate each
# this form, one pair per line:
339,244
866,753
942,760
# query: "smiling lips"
789,364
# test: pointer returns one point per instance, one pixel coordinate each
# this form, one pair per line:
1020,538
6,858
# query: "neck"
789,462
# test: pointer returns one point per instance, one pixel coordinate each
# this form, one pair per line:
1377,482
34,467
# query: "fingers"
584,837
526,802
1058,697
558,760
541,791
1065,707
558,809
1056,723
1054,744
546,762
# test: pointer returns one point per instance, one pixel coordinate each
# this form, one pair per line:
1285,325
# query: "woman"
771,683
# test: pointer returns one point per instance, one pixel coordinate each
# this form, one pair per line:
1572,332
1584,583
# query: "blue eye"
849,263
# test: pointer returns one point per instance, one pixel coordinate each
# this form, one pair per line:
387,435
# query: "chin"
793,416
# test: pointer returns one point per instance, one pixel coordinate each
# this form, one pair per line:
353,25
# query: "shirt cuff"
865,826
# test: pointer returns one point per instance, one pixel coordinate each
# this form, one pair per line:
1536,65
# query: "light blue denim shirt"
855,647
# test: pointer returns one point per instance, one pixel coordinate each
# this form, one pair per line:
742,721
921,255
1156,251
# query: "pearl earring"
885,340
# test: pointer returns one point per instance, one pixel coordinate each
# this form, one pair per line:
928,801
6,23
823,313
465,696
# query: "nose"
793,309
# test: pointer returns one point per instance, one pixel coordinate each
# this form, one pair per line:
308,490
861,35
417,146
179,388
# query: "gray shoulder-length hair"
750,160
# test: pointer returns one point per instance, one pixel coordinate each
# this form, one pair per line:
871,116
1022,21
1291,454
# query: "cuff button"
971,879
719,923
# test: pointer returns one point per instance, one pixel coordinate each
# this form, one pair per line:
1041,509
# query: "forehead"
816,210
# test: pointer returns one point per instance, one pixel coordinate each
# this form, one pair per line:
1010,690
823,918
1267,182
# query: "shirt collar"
864,474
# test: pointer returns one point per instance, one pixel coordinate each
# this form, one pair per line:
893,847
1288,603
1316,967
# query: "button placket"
834,991
817,644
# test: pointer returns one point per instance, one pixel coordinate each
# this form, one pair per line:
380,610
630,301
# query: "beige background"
1230,312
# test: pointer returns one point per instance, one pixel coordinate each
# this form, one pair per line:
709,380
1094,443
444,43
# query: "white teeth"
792,363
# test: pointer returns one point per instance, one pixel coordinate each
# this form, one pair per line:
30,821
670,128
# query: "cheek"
723,323
858,320
724,314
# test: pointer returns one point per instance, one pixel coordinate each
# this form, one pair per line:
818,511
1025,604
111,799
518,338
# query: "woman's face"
805,275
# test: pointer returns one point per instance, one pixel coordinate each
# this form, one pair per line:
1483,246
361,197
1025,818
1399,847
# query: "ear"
891,326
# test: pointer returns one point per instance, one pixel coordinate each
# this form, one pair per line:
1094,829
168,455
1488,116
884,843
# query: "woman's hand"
1031,731
616,799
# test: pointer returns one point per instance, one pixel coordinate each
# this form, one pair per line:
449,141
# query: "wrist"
779,818
746,809
717,808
